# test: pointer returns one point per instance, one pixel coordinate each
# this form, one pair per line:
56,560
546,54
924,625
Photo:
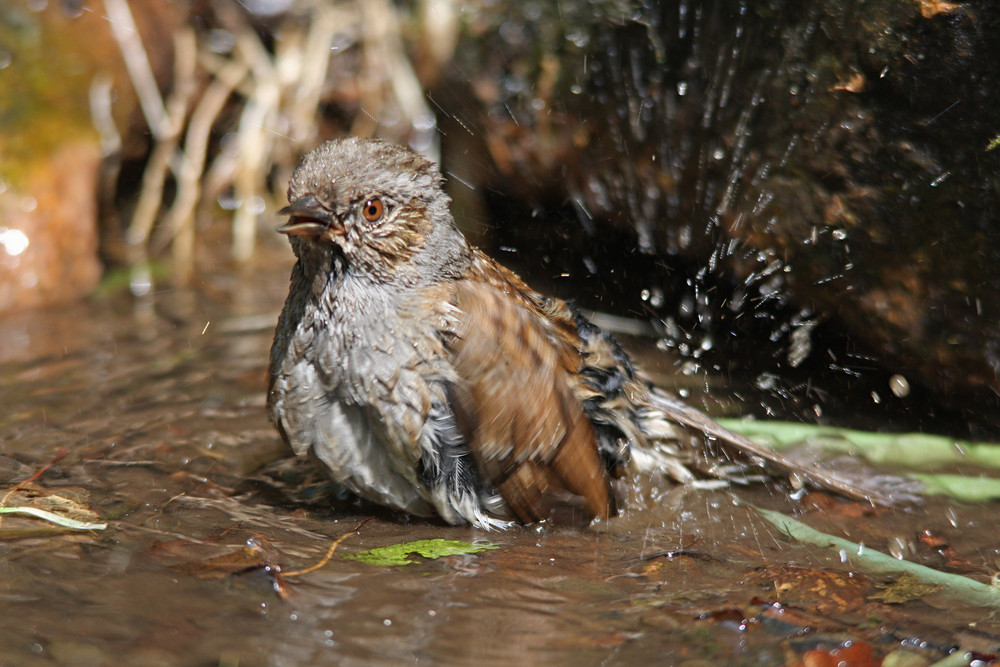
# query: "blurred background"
794,200
787,208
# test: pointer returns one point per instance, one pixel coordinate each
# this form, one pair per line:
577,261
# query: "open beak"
309,218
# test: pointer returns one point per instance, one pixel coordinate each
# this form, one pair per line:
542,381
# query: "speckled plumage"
428,378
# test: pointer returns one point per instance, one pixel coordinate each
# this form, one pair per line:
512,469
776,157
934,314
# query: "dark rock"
823,160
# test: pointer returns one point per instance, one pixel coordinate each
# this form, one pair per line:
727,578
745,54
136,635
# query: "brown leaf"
827,592
931,8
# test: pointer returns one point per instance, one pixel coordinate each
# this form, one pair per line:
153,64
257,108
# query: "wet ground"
159,406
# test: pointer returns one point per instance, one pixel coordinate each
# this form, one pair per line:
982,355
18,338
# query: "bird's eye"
373,209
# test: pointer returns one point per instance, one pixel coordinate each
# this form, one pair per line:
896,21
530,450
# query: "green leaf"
398,554
960,487
913,450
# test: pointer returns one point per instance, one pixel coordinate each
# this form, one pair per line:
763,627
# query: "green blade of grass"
52,517
914,450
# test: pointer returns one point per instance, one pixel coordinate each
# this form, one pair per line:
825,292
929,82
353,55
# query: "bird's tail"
746,452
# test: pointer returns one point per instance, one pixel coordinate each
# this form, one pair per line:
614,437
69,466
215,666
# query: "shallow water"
160,406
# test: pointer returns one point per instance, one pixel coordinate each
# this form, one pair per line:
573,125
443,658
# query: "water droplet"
513,85
512,33
141,282
221,41
266,8
689,368
533,11
255,204
940,179
765,381
342,41
390,115
580,38
839,234
424,121
898,548
899,386
686,306
14,241
227,202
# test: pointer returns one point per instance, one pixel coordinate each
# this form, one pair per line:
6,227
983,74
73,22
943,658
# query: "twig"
329,552
137,63
253,136
306,86
155,174
279,90
180,220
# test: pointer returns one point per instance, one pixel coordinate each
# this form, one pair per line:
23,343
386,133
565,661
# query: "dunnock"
429,378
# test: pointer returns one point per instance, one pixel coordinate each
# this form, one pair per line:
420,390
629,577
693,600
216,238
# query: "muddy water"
160,407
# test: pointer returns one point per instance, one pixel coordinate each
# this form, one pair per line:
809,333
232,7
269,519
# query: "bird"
427,377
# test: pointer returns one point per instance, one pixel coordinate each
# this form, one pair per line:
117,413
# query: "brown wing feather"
515,403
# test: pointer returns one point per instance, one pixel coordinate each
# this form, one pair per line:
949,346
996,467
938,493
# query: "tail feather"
745,448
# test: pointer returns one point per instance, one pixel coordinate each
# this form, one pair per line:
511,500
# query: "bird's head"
378,207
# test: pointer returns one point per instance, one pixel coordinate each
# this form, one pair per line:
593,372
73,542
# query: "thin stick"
329,552
180,220
155,174
137,63
254,136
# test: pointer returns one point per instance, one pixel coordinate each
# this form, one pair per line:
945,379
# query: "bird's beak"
309,218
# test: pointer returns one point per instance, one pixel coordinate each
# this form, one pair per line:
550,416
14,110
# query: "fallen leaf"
398,554
931,8
826,591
